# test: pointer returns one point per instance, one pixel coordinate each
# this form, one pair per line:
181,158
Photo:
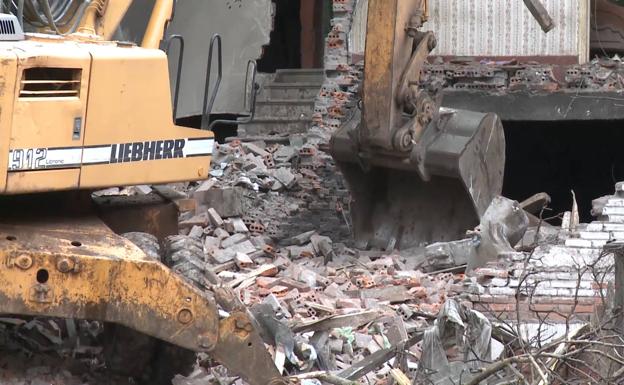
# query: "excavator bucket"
398,204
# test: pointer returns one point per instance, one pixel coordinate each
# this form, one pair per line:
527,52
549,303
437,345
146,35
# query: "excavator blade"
400,203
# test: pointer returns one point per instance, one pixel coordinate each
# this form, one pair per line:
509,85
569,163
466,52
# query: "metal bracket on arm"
414,101
251,89
216,39
176,93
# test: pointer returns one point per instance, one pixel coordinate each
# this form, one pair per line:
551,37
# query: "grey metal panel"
245,27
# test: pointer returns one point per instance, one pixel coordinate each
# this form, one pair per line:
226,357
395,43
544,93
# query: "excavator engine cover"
393,206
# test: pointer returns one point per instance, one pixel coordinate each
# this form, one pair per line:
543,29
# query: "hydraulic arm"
417,172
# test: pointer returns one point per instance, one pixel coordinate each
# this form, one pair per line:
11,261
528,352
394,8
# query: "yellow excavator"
81,113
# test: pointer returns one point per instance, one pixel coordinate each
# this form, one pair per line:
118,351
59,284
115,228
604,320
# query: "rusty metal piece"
462,171
41,293
242,350
206,342
115,282
540,14
394,59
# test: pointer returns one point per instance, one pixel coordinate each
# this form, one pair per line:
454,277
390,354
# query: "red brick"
584,309
497,307
269,271
419,292
546,308
598,286
492,298
266,282
565,300
279,291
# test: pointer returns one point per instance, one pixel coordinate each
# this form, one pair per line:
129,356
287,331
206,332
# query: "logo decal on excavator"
156,149
73,157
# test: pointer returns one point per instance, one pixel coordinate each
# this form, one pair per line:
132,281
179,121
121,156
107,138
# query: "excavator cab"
417,172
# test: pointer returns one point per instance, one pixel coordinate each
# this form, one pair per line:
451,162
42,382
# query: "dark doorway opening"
284,50
558,157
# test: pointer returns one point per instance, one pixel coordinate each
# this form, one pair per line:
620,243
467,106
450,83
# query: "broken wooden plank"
372,362
392,294
375,360
400,377
264,270
324,377
353,320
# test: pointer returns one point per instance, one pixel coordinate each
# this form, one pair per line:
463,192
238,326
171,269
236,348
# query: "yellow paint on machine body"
84,114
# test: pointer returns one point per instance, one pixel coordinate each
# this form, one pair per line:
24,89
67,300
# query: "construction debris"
331,313
335,314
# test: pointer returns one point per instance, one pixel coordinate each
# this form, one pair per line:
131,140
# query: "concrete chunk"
245,247
211,244
227,201
284,154
233,240
223,255
242,260
300,239
255,149
220,233
214,217
196,232
143,189
285,177
236,225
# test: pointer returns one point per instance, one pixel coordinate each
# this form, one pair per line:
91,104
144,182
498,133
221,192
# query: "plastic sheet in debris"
456,326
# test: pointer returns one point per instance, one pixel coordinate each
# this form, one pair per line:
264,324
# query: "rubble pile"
53,351
324,306
270,190
330,313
